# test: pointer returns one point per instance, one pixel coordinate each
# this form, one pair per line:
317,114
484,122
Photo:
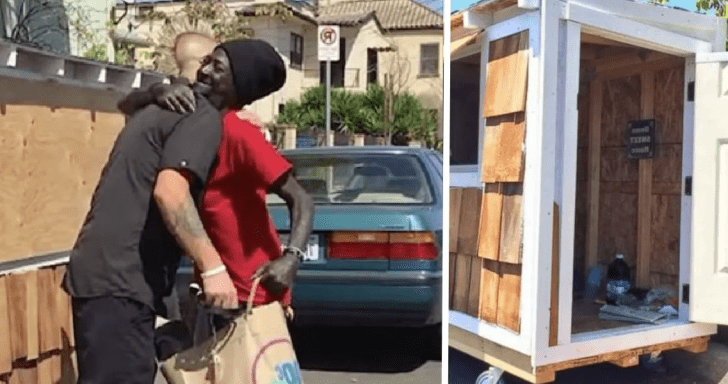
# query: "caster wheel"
491,376
653,363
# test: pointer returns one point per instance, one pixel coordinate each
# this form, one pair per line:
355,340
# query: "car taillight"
383,245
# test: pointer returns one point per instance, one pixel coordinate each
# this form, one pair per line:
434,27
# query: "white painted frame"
579,17
530,21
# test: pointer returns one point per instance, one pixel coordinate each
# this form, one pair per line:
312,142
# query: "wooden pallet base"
628,358
519,364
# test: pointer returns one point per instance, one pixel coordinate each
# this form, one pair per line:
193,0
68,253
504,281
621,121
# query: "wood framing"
594,149
644,195
555,259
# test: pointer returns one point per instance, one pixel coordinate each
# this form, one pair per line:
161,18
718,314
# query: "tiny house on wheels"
583,129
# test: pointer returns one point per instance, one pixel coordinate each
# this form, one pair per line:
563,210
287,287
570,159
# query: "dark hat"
258,69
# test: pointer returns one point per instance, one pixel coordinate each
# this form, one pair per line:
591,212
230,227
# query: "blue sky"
687,4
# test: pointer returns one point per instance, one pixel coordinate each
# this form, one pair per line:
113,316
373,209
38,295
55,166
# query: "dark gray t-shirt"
124,248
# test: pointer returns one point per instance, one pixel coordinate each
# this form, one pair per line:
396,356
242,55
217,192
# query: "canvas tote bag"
255,348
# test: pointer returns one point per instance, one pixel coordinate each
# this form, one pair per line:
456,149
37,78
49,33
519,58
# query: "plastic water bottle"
617,279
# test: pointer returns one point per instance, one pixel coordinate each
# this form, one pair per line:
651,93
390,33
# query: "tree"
704,5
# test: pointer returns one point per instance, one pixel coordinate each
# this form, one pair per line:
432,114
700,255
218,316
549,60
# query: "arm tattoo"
183,221
187,218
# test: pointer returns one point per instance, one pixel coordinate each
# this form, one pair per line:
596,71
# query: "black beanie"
257,68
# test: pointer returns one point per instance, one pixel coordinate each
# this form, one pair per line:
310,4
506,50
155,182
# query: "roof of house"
392,14
347,19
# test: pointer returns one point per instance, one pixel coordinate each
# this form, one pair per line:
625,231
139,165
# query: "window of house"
429,59
145,10
296,50
372,66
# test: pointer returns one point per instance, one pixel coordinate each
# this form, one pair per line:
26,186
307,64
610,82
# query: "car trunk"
356,219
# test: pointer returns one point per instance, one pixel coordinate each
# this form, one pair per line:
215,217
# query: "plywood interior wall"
617,100
52,159
36,328
486,260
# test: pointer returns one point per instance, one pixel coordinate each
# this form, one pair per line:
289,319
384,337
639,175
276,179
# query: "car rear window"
361,179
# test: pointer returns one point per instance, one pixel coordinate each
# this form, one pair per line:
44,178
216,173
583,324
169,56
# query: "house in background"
399,38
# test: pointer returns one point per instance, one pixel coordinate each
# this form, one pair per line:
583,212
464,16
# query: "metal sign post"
328,50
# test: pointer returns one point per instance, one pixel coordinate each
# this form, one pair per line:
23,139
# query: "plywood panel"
52,210
462,283
490,221
669,97
511,243
503,148
489,288
620,104
456,200
469,221
63,308
618,228
476,266
14,126
665,234
667,164
615,166
57,156
6,357
509,296
48,322
505,90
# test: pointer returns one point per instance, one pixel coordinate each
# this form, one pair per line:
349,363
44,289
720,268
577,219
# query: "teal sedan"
375,254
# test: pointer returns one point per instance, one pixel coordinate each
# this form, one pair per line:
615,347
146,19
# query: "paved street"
679,368
363,356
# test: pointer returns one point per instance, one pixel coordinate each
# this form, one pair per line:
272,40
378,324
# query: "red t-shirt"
233,208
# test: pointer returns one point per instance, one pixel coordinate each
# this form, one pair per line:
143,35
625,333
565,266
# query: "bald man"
190,48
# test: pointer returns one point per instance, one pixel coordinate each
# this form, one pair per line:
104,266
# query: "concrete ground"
363,355
679,367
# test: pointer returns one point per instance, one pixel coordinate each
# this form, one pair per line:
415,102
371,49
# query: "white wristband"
215,271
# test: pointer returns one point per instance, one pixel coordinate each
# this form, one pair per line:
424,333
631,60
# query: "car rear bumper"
382,298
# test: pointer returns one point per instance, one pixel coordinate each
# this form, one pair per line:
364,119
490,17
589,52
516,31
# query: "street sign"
328,42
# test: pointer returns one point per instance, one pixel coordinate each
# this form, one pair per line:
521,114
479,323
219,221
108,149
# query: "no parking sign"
328,42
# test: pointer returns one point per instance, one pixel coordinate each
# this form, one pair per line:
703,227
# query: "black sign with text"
641,139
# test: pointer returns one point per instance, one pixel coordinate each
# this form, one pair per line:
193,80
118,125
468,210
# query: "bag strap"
251,297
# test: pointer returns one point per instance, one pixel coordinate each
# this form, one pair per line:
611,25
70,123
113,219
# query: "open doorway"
628,199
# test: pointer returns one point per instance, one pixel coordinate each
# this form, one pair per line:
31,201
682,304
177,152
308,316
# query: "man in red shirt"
233,211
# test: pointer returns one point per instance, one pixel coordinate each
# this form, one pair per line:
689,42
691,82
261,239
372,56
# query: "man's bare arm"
280,274
300,205
171,193
177,97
